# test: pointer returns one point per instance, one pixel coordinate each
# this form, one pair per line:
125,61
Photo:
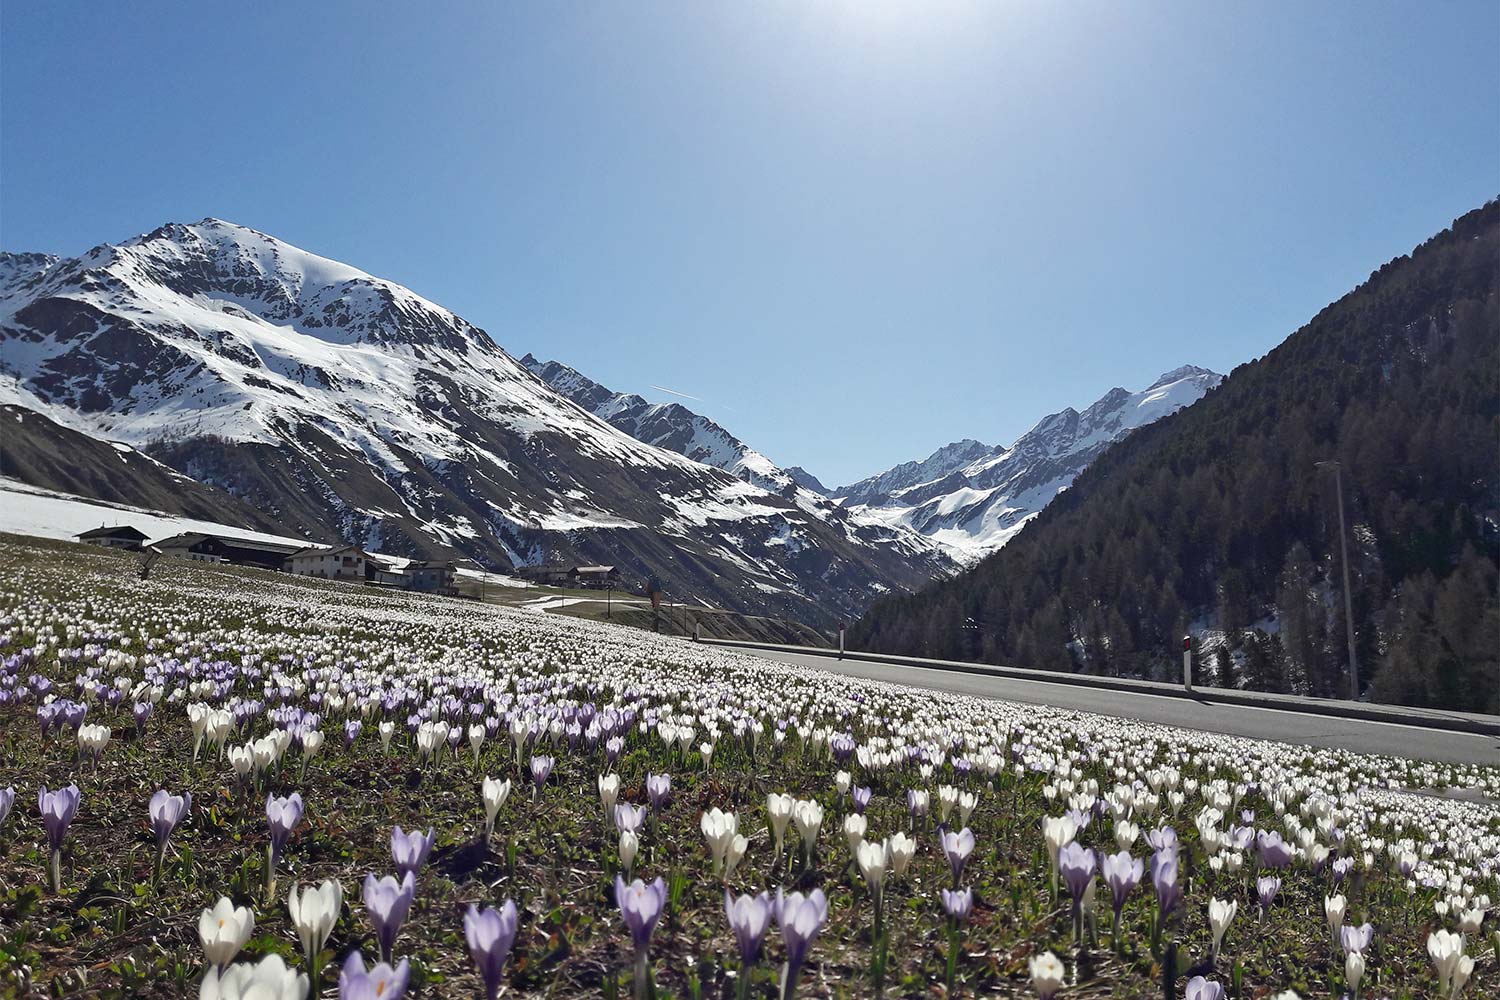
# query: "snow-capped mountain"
335,402
877,489
666,425
972,498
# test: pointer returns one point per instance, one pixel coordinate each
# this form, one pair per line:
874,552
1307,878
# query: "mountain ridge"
345,404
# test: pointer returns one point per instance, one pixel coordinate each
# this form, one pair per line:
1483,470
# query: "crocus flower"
541,770
1164,880
314,912
1334,908
658,790
1047,975
801,919
779,812
166,812
268,979
1199,988
58,809
901,849
641,905
1076,863
223,930
490,934
629,818
387,902
748,916
380,983
283,815
958,847
1354,971
1122,873
7,800
494,793
1356,938
957,903
1266,887
719,829
860,798
409,850
1220,915
1274,853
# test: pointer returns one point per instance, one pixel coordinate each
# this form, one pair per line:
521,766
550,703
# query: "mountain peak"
1178,374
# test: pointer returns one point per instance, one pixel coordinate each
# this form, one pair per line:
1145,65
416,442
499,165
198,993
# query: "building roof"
116,531
188,539
595,569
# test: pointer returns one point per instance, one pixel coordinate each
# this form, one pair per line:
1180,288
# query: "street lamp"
1338,480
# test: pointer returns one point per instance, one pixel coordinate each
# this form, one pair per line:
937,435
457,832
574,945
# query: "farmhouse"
121,536
341,562
204,547
572,576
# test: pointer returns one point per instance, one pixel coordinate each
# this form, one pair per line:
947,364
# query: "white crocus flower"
224,929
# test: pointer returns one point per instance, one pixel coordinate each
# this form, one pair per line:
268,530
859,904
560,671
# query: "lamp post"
1338,481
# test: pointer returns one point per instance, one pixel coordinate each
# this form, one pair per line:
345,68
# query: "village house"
210,548
121,536
341,562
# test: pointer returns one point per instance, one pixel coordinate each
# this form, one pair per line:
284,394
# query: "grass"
115,931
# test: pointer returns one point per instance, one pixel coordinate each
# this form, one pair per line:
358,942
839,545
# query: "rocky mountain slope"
337,403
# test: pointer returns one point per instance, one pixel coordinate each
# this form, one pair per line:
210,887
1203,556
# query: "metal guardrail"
1458,722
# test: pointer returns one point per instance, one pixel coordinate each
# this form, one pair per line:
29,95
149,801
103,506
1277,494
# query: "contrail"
662,388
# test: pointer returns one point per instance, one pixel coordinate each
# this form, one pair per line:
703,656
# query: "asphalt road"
1260,723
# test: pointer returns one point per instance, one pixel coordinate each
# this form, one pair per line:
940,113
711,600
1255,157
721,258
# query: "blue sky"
855,230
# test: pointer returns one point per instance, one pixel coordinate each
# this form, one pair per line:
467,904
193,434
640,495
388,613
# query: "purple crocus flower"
1076,863
58,809
641,905
166,812
658,790
1162,839
801,919
860,797
958,902
958,847
1122,873
490,934
1164,879
1341,869
1274,853
388,902
1356,939
351,732
1267,886
380,983
141,711
283,815
409,850
541,770
749,916
7,800
629,818
1199,988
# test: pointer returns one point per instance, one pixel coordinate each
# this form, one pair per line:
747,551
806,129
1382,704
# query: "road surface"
1260,723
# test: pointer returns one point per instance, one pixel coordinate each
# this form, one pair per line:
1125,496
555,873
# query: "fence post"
1187,662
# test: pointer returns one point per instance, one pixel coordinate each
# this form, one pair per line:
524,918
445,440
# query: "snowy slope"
972,507
337,401
30,510
665,425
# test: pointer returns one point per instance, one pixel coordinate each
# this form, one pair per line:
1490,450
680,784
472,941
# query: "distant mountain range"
300,393
967,498
1222,521
972,498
